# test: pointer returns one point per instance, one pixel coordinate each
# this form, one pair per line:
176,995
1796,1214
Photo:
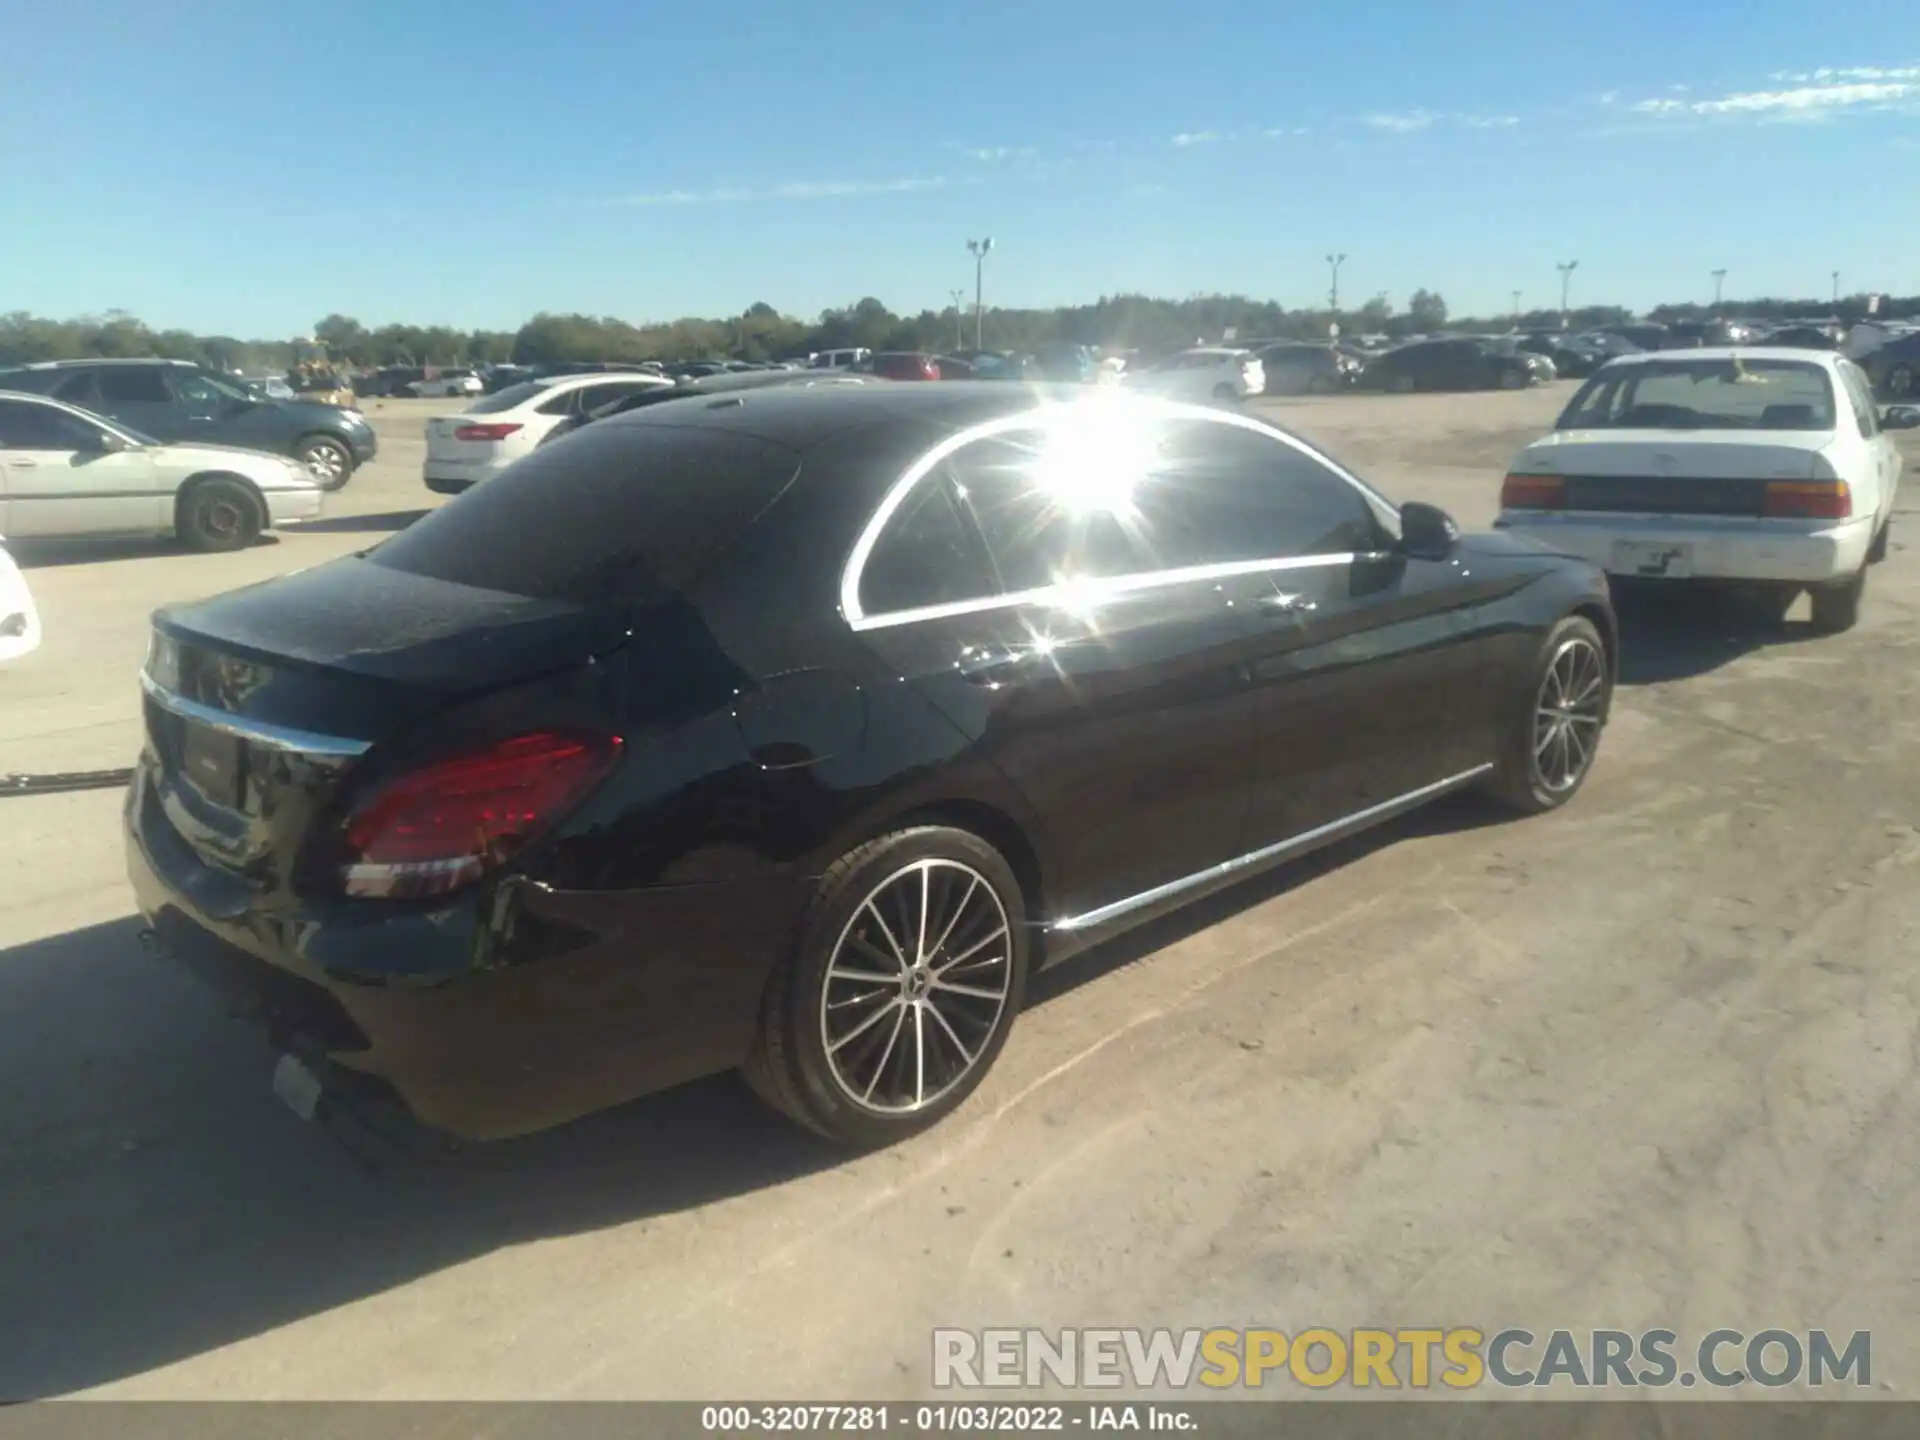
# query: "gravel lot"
1648,1061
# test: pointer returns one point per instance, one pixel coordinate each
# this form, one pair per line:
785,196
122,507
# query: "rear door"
135,395
1880,457
1045,624
61,479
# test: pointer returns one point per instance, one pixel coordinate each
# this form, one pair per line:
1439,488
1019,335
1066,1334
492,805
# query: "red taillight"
1533,492
1808,500
929,370
485,432
445,825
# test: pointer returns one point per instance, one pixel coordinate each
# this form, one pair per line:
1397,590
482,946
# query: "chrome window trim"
256,732
1038,417
1077,594
1101,914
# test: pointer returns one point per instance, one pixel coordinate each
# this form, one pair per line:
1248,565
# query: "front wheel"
1513,379
901,988
1401,385
217,516
1900,382
328,461
1549,748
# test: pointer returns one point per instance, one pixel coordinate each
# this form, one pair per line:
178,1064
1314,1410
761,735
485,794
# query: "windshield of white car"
508,398
1736,394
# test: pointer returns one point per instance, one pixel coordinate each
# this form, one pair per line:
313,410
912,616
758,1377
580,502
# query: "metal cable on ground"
11,785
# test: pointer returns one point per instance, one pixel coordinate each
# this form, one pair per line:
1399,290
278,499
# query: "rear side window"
132,385
621,513
26,426
928,555
508,398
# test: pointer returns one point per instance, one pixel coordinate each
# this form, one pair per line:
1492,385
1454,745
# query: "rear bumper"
507,1010
450,477
1809,553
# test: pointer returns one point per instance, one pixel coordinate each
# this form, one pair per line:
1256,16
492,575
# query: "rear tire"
869,1061
215,516
1320,385
1513,379
1836,607
1549,745
1225,393
1877,551
1400,385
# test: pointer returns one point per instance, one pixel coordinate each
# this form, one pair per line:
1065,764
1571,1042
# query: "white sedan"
66,472
464,449
447,383
19,624
1206,373
1768,467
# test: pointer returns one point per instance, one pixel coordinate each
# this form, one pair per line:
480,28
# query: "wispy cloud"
1187,138
990,153
1489,122
1803,102
1401,123
792,190
1279,132
1828,75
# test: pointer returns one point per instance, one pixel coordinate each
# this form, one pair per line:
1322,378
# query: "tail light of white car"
498,431
1808,500
1253,375
1533,492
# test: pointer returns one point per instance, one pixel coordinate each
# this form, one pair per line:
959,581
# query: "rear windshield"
620,512
1738,394
508,398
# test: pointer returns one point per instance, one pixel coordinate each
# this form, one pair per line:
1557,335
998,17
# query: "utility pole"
1836,287
1334,262
959,303
1566,269
1516,309
979,250
1719,278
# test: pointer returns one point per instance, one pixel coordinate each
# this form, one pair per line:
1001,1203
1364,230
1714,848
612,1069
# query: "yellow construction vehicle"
314,376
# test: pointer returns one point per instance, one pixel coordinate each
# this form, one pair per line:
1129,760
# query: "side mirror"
103,442
1900,417
1427,532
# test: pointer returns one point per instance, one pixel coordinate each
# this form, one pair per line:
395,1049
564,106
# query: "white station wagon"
1765,467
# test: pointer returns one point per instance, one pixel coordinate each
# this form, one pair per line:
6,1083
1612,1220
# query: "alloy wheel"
1900,381
1568,714
325,462
915,986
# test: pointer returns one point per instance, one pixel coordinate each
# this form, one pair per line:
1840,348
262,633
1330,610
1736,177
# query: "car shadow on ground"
53,554
357,524
157,1203
1676,633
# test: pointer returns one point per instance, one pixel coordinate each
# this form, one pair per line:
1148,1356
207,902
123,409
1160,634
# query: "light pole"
979,250
1836,287
1516,309
959,300
1566,269
1334,262
1719,278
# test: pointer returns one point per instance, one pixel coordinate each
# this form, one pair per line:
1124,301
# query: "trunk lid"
260,703
1663,472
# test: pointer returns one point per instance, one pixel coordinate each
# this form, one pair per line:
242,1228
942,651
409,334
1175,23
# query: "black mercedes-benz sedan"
793,730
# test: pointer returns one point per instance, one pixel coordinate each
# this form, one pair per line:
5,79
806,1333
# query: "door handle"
992,664
1283,603
24,464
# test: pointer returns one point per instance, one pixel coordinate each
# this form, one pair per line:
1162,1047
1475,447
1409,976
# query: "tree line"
761,332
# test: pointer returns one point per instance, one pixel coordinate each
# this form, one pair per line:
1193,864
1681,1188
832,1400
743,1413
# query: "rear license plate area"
1653,559
215,764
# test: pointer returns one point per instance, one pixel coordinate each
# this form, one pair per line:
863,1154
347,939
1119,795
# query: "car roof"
102,360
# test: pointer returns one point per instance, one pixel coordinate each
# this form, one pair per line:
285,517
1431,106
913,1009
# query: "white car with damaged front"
1769,468
66,473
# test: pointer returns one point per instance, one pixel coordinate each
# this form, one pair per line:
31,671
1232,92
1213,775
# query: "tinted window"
621,512
928,555
78,389
202,390
1221,493
594,396
1860,394
567,402
1035,535
132,385
41,427
508,398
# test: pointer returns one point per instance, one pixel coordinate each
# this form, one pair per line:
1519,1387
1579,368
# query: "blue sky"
246,167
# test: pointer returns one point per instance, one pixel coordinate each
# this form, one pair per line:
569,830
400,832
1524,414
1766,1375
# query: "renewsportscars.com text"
1459,1358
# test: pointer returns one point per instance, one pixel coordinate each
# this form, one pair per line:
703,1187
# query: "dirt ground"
1648,1061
